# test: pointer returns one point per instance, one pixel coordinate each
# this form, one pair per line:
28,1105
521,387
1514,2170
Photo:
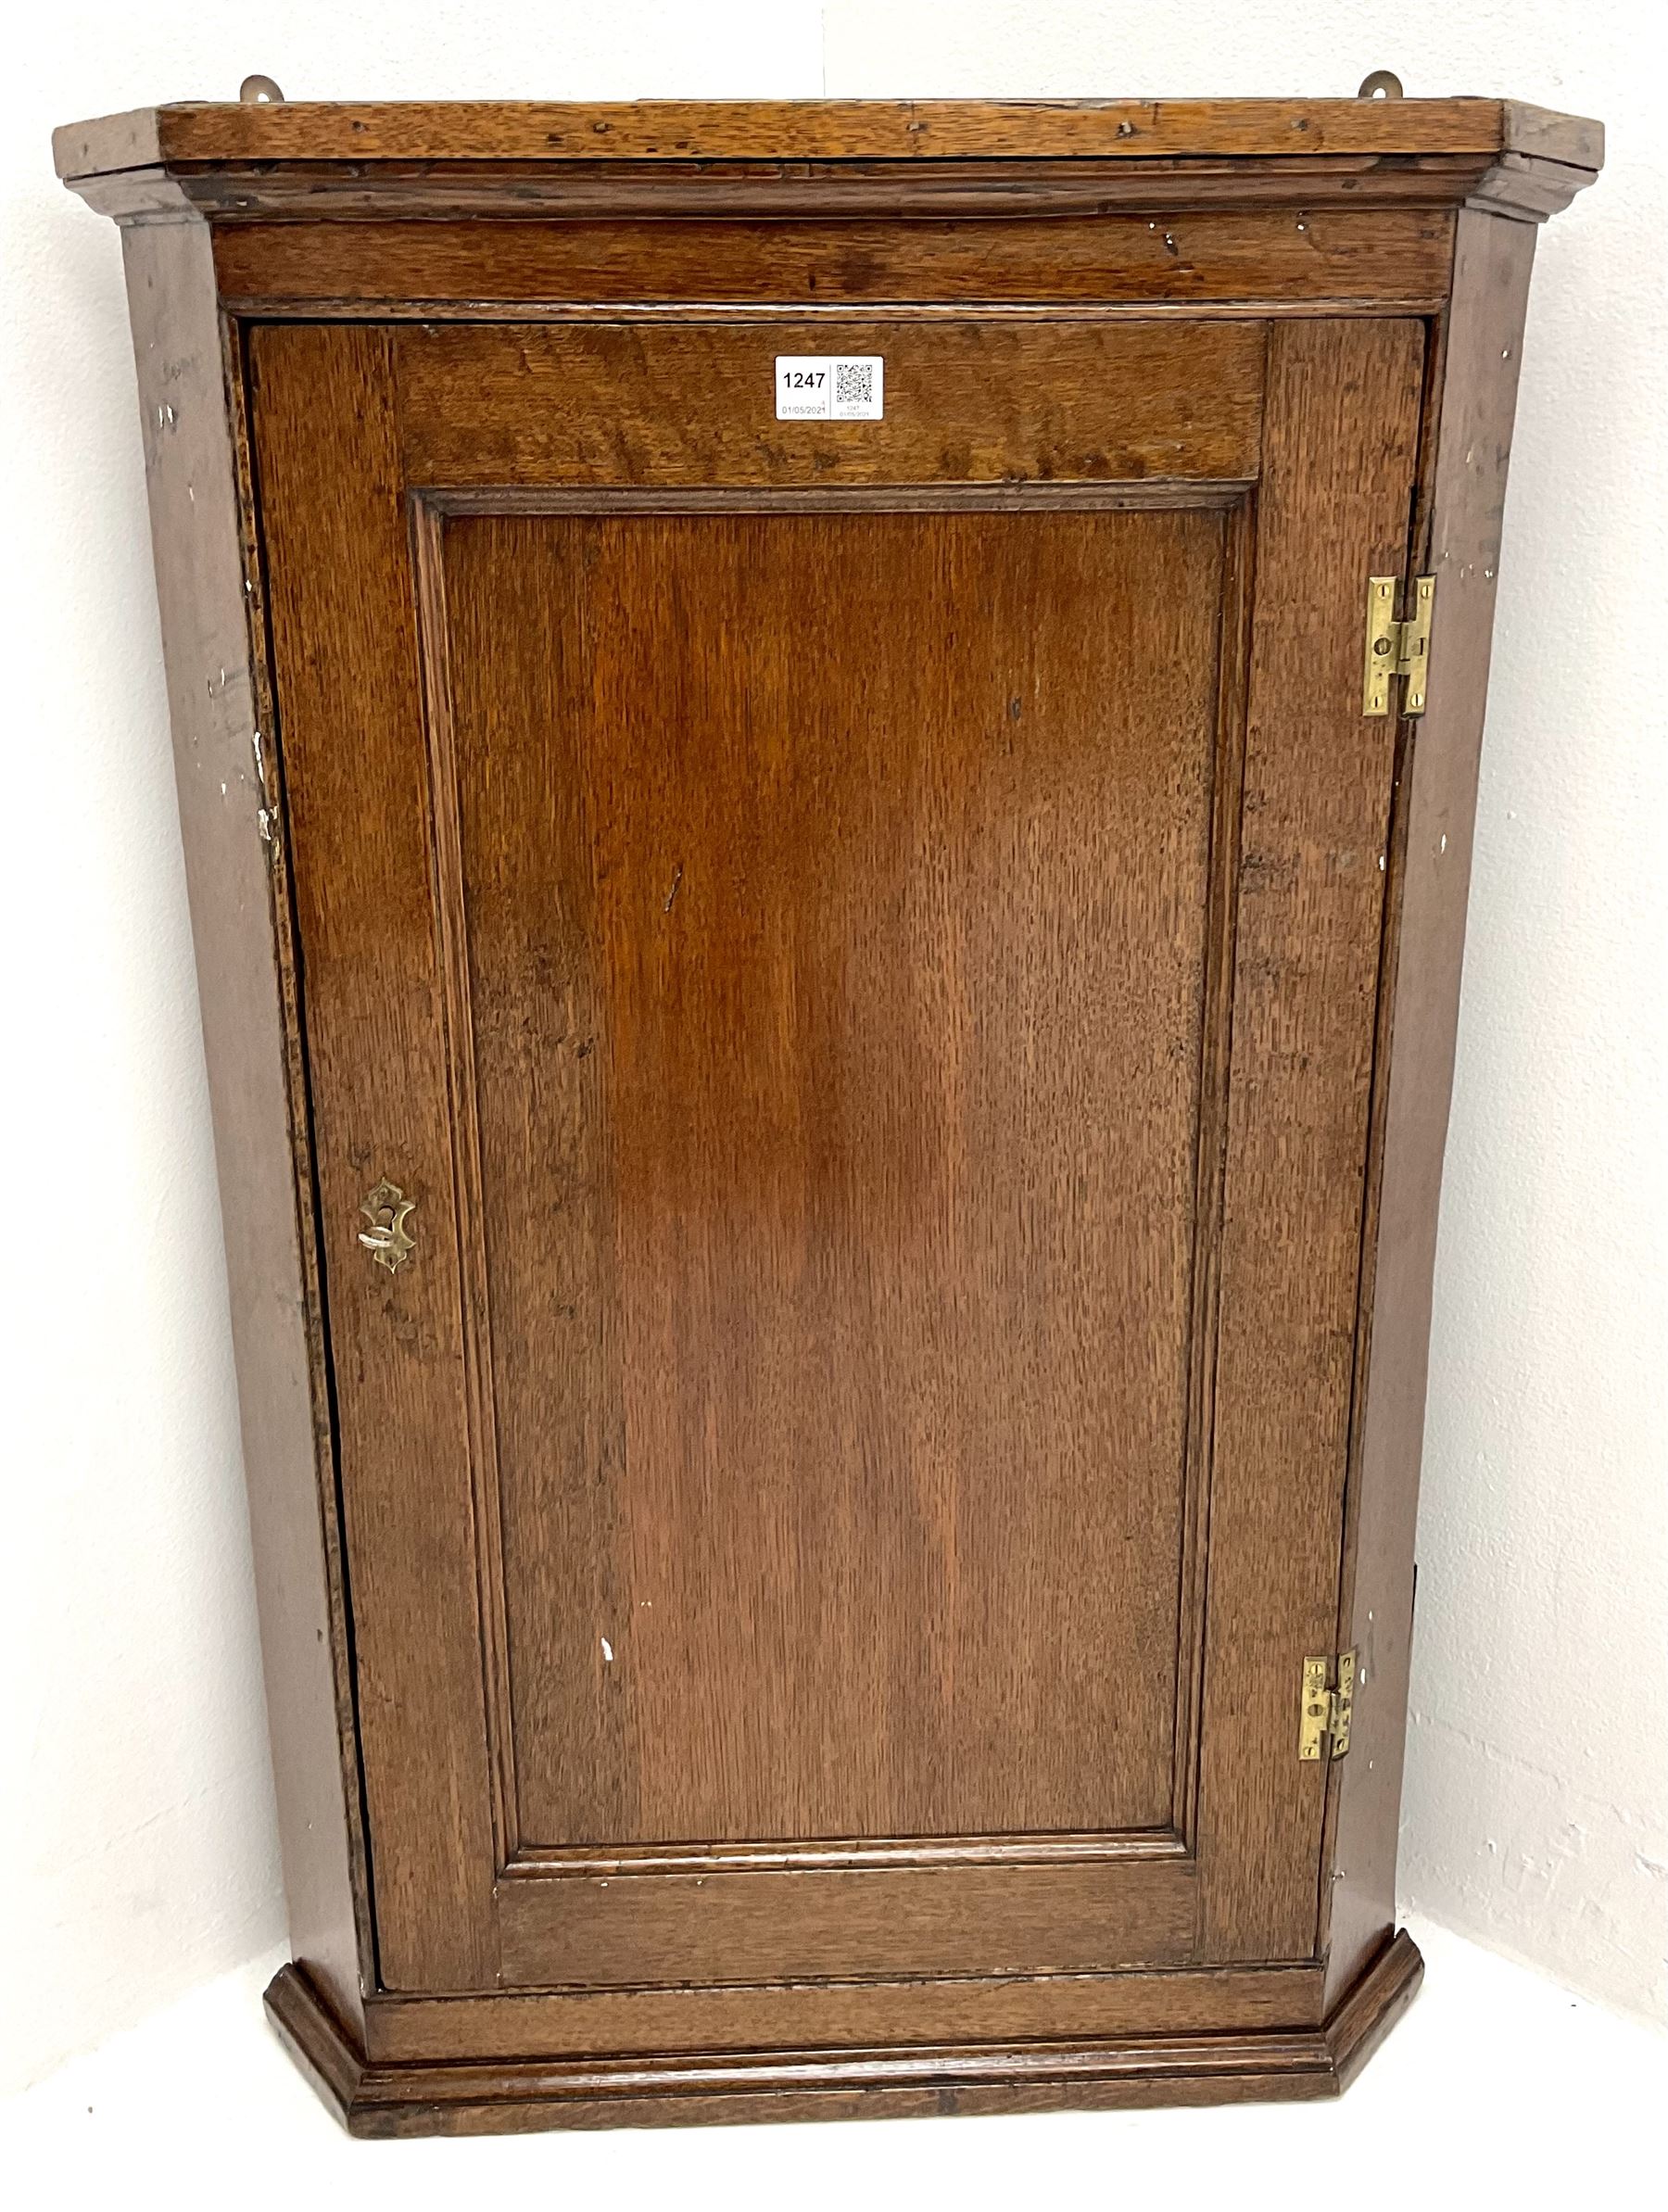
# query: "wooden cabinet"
829,1022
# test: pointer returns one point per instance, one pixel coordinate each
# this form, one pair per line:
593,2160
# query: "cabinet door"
860,941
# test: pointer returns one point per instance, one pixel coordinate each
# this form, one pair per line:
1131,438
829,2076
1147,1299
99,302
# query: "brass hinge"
1396,648
1327,1708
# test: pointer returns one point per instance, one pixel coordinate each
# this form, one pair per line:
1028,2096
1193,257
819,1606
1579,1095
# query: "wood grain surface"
694,404
1437,809
192,425
1299,255
807,2015
344,639
908,131
837,1037
1219,2066
1341,429
822,1060
808,1924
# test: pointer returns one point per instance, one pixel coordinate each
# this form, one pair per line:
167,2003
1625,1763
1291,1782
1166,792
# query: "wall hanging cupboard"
827,755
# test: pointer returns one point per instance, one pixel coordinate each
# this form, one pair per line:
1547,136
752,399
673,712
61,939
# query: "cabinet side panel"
192,477
1439,798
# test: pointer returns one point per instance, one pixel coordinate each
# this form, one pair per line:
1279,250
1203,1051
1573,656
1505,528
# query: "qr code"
853,384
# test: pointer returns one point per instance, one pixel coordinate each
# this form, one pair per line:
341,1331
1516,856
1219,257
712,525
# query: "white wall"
136,1855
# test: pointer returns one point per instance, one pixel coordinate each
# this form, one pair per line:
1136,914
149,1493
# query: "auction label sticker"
828,388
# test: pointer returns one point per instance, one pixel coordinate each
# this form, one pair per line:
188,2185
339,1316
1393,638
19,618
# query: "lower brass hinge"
1398,648
1326,1708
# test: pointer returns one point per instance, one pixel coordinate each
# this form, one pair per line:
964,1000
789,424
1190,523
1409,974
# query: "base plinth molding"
500,2097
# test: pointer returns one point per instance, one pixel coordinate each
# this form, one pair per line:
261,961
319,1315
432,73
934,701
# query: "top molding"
813,130
232,160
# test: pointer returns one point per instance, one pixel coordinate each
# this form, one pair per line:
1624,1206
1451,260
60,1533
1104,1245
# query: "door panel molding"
544,1863
452,948
1063,498
517,1856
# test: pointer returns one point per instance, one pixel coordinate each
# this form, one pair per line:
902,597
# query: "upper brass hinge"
1397,647
1327,1707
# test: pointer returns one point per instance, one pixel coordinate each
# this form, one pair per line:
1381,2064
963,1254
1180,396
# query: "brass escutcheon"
387,1209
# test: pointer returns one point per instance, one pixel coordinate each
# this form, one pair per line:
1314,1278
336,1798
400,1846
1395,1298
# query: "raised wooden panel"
837,1039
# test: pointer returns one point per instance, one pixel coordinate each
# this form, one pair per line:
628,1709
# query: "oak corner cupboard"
827,755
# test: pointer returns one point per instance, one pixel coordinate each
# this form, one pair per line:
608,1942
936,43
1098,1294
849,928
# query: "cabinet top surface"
213,134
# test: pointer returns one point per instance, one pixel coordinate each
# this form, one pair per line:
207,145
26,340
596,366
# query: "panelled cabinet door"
848,950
